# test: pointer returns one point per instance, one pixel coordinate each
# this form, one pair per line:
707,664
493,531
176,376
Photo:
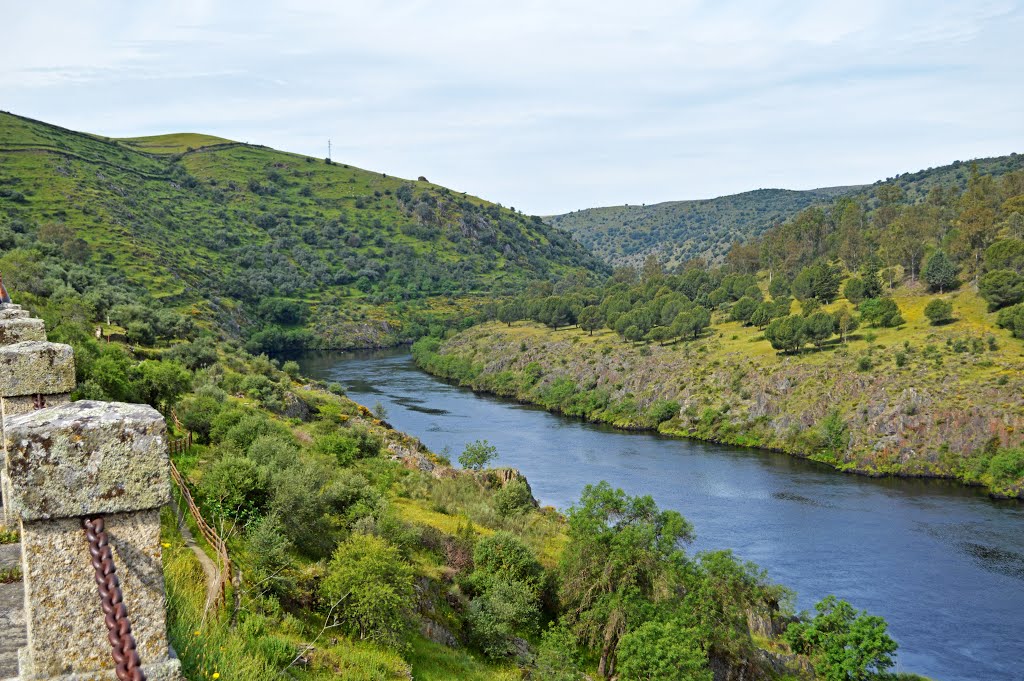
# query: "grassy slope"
680,230
931,417
203,222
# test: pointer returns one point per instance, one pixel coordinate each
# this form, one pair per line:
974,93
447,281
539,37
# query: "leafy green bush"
514,498
663,651
938,311
881,312
368,590
557,655
1012,318
1007,467
662,410
1001,288
197,412
236,487
477,455
844,644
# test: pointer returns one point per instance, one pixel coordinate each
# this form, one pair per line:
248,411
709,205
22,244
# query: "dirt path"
209,568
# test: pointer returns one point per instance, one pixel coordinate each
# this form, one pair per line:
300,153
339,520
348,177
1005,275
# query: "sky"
546,106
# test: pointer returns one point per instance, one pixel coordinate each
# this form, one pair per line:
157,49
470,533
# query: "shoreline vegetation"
816,406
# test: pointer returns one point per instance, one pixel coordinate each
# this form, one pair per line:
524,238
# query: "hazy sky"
547,106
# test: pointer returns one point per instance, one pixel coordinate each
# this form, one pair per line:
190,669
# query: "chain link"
115,613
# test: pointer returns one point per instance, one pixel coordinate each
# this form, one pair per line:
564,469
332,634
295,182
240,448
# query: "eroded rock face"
86,458
296,408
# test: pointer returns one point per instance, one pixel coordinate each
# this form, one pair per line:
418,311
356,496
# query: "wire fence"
224,570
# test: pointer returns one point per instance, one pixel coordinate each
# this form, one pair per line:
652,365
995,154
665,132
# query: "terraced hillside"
215,227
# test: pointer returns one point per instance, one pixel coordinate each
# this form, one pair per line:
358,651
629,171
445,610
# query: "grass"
416,512
175,143
434,662
11,574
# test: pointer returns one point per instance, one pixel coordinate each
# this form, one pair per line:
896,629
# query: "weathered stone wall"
63,462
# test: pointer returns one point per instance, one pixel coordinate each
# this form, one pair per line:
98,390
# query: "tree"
761,316
619,549
853,290
663,651
780,287
844,644
236,487
1001,288
197,413
786,333
939,272
1012,318
743,309
844,322
691,322
477,455
938,311
819,327
369,589
1005,254
510,312
908,236
820,281
160,384
590,319
881,312
506,584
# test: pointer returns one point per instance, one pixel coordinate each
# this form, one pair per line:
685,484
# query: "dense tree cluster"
947,233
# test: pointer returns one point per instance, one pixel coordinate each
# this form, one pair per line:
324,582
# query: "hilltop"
214,228
678,231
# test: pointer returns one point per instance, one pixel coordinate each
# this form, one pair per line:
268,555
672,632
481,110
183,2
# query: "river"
943,564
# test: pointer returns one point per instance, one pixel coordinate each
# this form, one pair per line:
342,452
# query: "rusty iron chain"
115,613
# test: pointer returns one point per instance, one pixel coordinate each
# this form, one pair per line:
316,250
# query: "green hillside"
215,228
678,231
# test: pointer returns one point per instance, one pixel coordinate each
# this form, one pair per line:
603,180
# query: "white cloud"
548,106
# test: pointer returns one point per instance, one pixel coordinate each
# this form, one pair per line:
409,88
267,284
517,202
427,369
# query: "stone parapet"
11,311
36,368
86,458
66,631
23,329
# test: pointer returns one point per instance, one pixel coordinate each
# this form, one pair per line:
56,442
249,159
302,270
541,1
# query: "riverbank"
900,410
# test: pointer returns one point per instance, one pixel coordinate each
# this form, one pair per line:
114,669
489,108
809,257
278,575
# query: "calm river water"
943,564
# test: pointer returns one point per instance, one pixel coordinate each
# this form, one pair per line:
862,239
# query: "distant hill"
680,230
217,225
